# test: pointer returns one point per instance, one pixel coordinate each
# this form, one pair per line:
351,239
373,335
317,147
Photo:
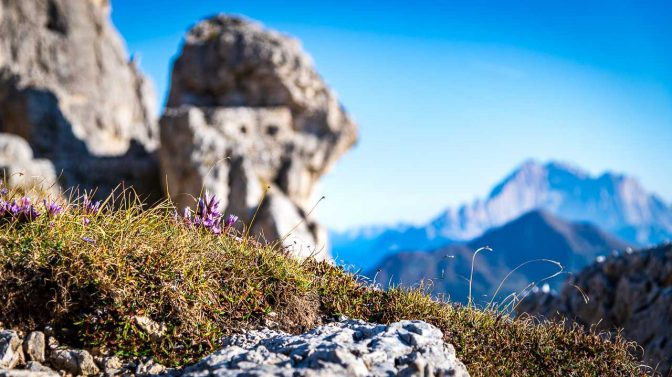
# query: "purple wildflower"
187,217
14,208
86,221
52,208
230,221
88,239
3,191
89,206
21,210
30,213
208,215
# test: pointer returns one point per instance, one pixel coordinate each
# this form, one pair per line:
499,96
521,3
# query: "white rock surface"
11,353
346,348
34,346
74,361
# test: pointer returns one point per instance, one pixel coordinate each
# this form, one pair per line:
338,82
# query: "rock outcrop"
248,111
69,90
632,291
19,168
41,358
346,348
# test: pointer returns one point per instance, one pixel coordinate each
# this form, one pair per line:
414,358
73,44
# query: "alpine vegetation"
97,283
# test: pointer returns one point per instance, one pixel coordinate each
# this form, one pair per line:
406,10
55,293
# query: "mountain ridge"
614,202
534,236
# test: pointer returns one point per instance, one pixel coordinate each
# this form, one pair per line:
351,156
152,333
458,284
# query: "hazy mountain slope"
615,203
534,235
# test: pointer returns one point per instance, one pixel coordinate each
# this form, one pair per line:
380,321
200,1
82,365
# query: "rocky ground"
630,291
39,354
345,348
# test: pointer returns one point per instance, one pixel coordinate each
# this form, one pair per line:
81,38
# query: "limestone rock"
10,349
63,359
26,373
632,291
19,168
346,348
109,364
73,361
68,88
154,329
149,367
247,111
34,346
36,368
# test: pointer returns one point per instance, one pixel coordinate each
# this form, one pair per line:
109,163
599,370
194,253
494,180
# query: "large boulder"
247,113
346,348
631,291
68,88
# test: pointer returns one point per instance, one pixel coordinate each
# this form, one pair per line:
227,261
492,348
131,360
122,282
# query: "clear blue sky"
450,96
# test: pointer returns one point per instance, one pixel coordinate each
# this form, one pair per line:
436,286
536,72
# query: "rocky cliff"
630,291
247,112
68,88
248,117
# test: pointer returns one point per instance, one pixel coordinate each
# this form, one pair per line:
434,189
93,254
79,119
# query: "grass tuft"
89,282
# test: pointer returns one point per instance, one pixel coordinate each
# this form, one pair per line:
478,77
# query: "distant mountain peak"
614,202
534,172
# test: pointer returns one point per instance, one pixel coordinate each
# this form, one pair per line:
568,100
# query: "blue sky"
451,96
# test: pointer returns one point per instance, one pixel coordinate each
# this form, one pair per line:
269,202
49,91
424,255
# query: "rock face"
69,90
247,111
632,291
34,346
21,169
347,348
11,353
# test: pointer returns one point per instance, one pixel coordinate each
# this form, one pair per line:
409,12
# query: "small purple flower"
14,209
216,230
230,221
89,206
86,221
52,208
3,191
88,240
207,215
209,221
30,213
